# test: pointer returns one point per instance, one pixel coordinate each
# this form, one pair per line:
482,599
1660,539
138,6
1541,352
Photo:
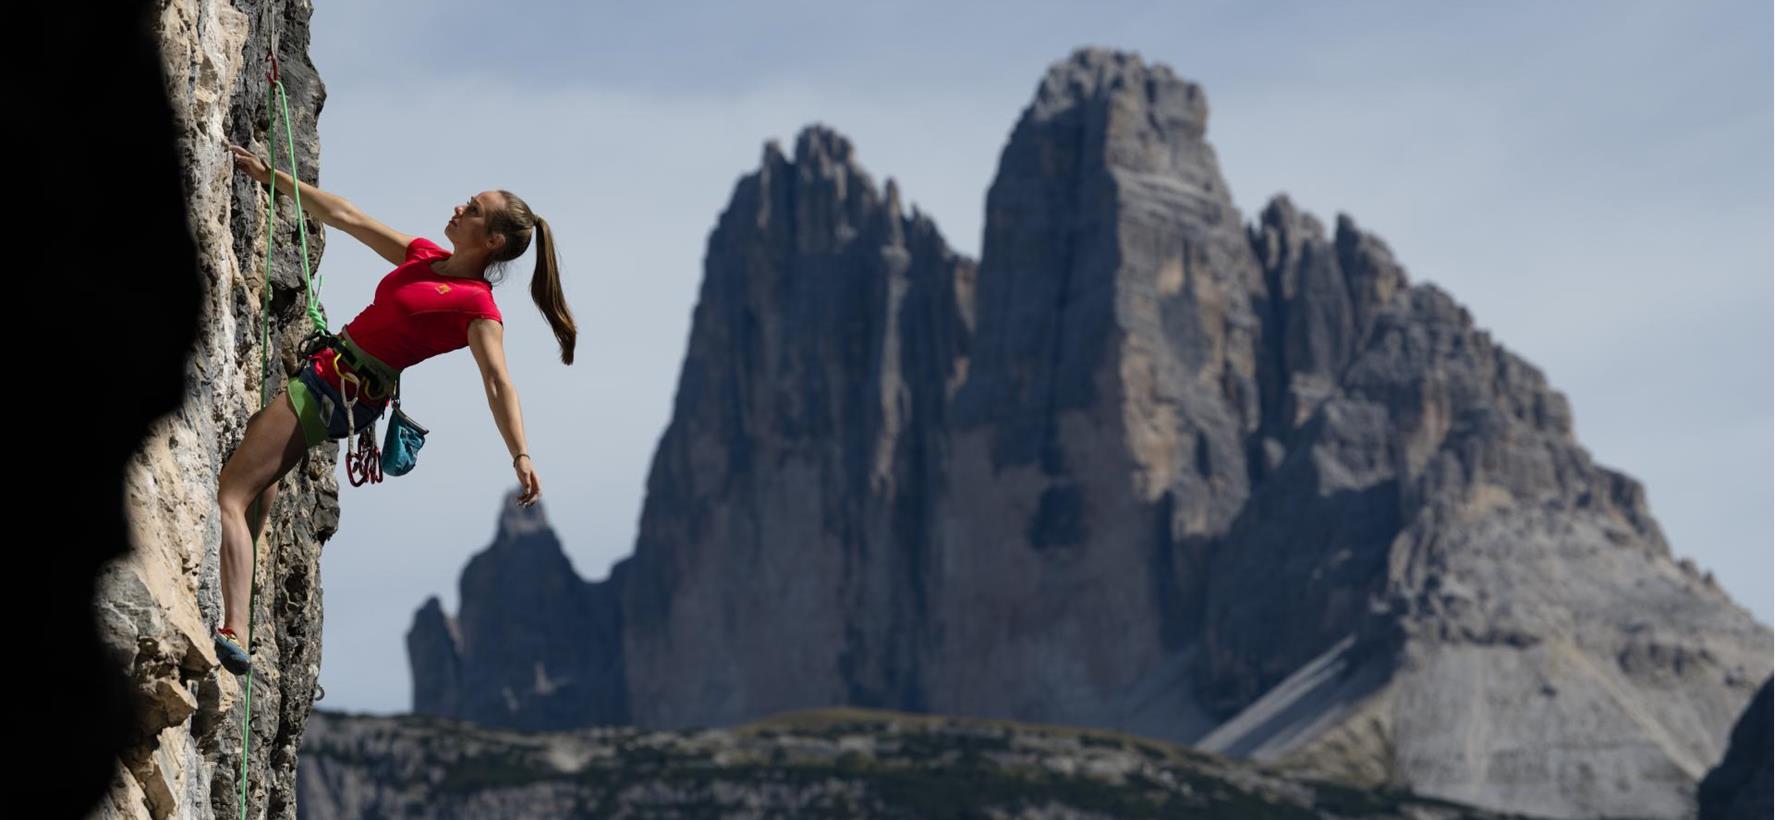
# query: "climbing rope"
276,100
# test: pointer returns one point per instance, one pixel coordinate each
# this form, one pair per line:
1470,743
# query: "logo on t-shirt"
442,288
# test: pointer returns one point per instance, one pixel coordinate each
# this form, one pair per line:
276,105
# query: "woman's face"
468,225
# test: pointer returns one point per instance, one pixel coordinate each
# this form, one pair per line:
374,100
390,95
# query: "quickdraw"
363,462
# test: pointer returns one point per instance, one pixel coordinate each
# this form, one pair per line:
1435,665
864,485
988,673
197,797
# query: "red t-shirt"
417,313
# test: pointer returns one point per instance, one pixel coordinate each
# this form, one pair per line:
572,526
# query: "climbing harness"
358,380
365,461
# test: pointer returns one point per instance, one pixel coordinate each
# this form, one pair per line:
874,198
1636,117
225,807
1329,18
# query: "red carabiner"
365,465
373,463
354,470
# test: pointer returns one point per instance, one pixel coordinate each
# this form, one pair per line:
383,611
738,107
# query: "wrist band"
518,456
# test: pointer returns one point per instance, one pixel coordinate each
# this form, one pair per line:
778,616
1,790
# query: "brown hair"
517,222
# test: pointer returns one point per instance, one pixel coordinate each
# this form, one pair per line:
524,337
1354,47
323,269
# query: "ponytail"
517,222
545,290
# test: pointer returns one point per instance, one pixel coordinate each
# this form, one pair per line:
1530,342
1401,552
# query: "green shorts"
321,409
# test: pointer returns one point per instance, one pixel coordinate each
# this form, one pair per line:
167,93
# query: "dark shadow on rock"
120,285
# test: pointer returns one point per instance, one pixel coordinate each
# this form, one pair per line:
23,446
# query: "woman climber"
433,302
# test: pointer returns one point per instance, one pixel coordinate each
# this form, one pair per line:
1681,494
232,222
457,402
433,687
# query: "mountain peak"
1094,77
517,521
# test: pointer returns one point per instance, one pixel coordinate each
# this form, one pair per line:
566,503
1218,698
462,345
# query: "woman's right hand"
527,481
254,167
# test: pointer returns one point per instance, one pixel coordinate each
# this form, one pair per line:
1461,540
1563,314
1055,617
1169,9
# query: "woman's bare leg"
260,509
272,445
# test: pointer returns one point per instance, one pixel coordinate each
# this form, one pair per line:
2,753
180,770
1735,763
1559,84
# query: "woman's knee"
231,495
226,494
233,487
230,504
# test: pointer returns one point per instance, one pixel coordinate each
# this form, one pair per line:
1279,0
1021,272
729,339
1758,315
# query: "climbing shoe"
234,657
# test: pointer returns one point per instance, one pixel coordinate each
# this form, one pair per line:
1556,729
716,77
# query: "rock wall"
157,606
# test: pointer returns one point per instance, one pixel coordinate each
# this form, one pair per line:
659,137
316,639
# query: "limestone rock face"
1148,467
157,606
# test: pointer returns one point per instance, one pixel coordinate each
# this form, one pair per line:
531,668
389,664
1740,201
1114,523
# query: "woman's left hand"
250,162
527,480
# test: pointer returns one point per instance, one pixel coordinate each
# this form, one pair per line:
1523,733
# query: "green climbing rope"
312,286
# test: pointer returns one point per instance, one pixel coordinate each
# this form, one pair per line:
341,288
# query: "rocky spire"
533,647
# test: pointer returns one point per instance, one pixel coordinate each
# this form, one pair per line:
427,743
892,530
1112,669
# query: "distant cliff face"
824,763
157,606
1146,466
533,646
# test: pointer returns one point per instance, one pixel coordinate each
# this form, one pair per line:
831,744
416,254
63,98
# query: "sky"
1591,179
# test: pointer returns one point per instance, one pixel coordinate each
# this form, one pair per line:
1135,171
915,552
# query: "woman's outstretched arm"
330,209
486,338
